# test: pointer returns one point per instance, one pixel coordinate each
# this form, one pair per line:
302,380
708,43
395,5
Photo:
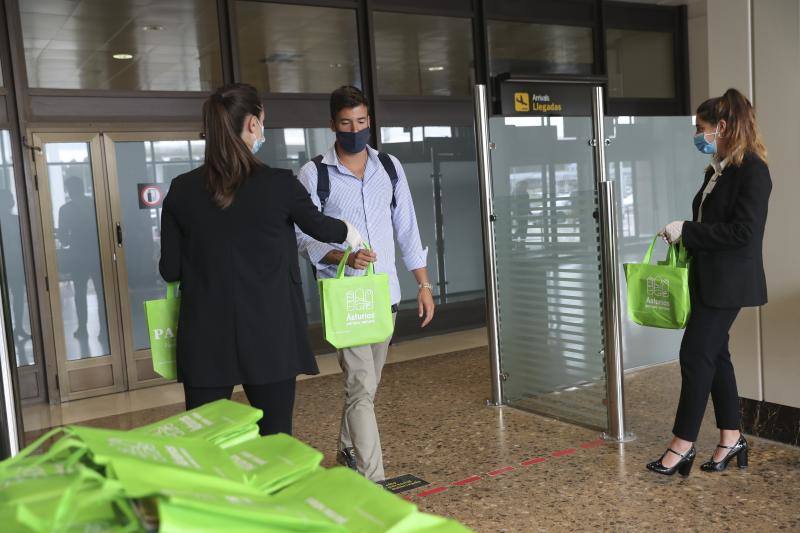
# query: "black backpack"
324,181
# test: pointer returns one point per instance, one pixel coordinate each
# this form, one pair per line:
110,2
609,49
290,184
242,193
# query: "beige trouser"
362,367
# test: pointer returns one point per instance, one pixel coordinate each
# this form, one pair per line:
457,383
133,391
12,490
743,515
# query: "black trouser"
706,368
275,399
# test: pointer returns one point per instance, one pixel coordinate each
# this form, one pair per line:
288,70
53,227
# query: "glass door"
141,167
79,256
548,266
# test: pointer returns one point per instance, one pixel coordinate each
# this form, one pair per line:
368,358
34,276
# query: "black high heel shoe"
684,466
739,450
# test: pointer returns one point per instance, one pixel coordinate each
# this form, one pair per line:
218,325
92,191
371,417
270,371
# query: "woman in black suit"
227,234
727,273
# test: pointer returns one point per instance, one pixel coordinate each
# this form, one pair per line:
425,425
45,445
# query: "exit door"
100,204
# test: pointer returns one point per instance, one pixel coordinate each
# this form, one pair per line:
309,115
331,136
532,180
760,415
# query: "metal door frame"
55,349
609,268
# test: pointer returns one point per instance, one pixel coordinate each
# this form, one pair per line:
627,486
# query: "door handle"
119,235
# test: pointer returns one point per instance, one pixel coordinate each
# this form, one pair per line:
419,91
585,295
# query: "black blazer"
728,267
243,316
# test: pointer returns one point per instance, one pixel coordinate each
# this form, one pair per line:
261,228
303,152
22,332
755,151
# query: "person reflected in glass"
520,211
15,276
77,231
725,240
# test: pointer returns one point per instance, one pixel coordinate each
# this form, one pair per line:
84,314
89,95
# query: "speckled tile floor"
435,425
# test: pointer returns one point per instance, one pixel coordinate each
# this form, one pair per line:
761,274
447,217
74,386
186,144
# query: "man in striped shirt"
370,190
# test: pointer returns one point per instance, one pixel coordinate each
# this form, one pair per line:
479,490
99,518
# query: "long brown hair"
741,134
228,159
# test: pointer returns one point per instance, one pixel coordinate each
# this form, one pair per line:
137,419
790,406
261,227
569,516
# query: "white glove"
672,231
354,239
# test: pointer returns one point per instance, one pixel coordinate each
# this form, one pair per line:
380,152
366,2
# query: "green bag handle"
676,252
343,263
74,501
66,443
172,289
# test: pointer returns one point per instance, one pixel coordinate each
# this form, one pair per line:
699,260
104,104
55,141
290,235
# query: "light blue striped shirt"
366,204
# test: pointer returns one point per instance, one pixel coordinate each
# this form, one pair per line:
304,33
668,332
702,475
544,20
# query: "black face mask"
353,142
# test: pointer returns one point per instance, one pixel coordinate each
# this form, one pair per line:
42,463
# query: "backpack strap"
388,166
323,182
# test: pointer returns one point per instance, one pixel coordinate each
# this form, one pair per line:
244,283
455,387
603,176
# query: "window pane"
297,49
126,44
641,64
657,175
77,244
525,48
12,250
439,162
140,162
423,55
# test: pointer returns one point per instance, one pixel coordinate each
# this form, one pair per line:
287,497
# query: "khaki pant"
362,367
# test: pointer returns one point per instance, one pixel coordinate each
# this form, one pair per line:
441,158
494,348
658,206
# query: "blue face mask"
703,145
353,142
259,142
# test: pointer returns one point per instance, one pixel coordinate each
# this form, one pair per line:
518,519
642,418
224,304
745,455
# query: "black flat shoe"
684,466
738,450
347,457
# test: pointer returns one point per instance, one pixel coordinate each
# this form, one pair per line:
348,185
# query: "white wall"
754,46
776,61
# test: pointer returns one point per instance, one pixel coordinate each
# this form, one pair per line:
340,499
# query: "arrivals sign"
544,99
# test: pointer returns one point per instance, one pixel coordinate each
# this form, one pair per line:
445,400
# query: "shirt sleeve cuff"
416,260
317,252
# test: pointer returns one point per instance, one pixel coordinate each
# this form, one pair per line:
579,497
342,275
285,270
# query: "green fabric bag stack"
194,472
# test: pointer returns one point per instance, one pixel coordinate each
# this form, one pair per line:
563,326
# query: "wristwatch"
426,286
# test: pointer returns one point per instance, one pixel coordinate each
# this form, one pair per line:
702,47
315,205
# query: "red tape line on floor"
534,461
467,481
500,471
431,492
562,453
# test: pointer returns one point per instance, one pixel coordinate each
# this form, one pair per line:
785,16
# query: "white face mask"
259,142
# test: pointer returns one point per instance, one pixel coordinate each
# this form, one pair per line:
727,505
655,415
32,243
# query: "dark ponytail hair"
228,159
741,135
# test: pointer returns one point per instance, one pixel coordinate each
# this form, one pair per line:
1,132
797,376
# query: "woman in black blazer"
727,273
227,234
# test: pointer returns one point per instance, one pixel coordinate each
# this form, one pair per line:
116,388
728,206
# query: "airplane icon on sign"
522,102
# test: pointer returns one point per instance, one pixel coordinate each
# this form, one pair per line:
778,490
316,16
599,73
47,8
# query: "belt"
395,308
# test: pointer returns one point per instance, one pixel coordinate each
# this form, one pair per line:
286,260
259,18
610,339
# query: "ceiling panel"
81,36
291,49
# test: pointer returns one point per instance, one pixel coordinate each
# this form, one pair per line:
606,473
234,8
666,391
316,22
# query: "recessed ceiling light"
153,27
435,69
122,56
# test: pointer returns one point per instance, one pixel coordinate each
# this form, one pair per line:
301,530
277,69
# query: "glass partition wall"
658,171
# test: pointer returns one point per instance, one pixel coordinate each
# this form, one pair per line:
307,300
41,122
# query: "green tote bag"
356,310
162,324
658,295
